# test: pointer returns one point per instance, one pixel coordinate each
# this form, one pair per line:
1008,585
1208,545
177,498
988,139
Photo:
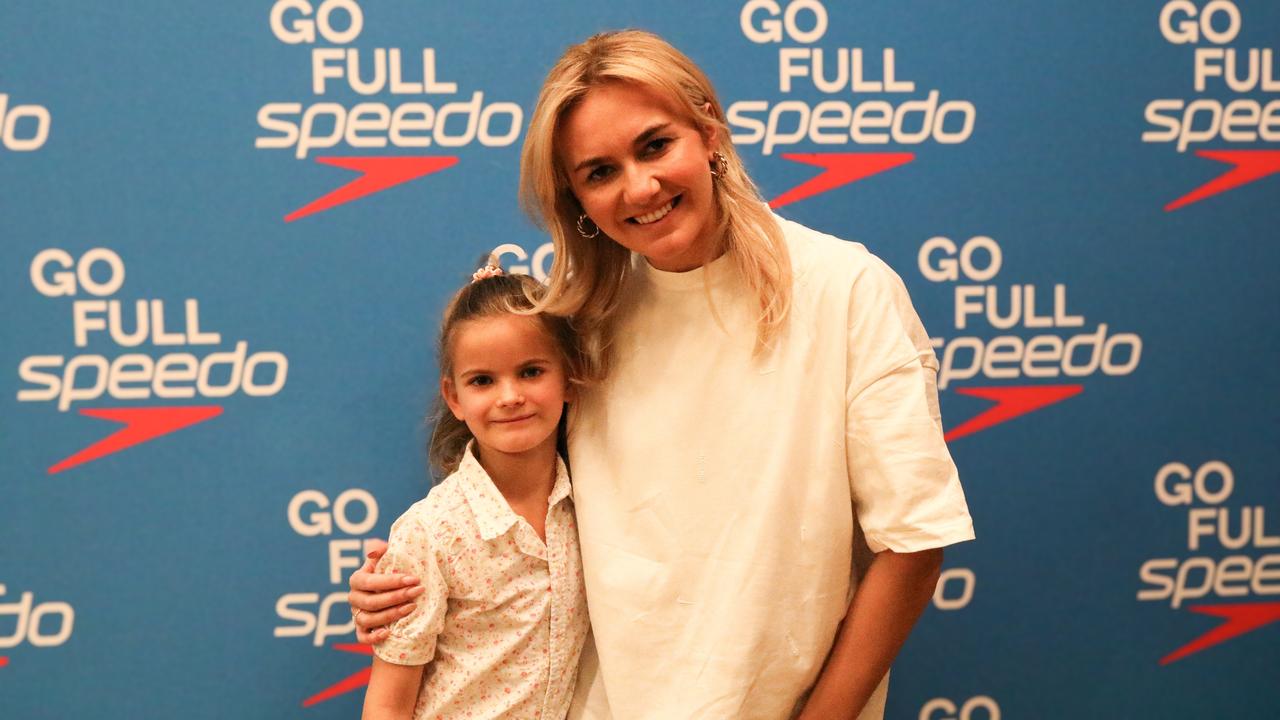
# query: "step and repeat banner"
229,230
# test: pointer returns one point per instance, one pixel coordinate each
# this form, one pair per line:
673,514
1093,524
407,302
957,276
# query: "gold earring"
719,166
582,226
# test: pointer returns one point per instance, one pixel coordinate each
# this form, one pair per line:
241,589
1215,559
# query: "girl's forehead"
506,331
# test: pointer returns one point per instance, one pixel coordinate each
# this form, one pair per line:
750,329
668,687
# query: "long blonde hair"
588,274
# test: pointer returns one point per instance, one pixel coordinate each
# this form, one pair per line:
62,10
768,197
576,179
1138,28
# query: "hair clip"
486,272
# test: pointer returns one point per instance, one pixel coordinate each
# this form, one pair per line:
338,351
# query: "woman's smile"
656,215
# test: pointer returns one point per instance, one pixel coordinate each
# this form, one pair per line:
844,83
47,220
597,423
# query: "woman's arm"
889,600
377,600
393,691
905,488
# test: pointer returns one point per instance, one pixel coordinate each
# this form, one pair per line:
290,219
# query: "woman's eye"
657,145
599,173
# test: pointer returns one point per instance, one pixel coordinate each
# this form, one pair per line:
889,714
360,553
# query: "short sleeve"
410,551
905,486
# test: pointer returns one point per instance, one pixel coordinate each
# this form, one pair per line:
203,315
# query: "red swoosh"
352,682
376,174
1250,165
838,169
1011,402
140,425
1241,618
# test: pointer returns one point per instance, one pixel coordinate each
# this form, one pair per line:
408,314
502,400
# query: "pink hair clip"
486,272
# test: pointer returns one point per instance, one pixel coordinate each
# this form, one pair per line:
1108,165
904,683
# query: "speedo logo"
1035,340
188,360
868,102
1234,103
311,615
1231,557
428,109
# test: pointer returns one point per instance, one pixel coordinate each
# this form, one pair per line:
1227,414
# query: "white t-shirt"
722,497
503,618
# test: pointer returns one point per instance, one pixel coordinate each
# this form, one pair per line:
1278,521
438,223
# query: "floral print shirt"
504,616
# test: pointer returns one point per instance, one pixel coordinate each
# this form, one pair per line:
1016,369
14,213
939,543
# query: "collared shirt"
504,615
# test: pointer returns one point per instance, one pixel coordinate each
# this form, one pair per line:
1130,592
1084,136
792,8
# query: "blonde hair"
486,298
588,274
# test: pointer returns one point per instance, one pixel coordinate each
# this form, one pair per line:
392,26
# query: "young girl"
499,625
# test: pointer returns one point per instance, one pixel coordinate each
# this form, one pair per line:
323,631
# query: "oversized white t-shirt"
722,497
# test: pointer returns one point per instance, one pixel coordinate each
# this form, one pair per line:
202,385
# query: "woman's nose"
640,186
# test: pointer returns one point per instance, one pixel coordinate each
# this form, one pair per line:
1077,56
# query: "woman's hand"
377,600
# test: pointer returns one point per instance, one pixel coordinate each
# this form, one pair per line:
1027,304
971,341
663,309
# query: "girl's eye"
480,380
531,372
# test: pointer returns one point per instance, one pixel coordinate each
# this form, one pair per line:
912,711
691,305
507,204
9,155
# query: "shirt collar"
493,515
563,488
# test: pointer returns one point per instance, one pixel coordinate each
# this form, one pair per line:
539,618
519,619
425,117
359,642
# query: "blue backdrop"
229,229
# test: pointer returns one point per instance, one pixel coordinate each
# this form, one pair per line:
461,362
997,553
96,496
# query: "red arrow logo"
1250,166
1241,618
1011,402
376,174
838,169
140,425
352,682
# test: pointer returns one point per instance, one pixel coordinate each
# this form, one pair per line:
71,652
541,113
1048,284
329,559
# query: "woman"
765,409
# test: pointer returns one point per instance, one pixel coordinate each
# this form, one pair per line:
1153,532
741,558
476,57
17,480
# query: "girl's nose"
510,396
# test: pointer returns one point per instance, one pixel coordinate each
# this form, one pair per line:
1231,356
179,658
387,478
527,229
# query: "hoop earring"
582,227
719,165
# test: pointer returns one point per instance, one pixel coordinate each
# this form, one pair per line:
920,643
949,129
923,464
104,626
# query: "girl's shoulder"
438,512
